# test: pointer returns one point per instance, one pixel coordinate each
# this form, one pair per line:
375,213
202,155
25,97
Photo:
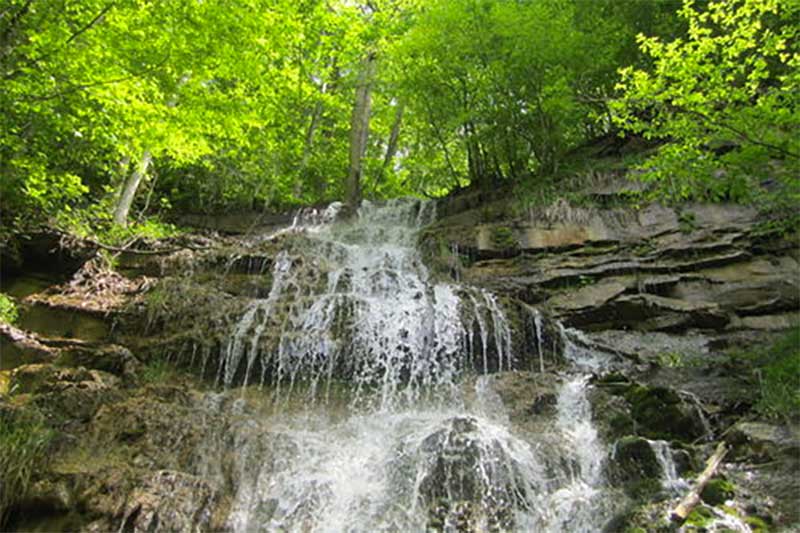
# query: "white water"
414,450
670,480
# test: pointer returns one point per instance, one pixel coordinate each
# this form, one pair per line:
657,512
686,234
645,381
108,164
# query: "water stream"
419,442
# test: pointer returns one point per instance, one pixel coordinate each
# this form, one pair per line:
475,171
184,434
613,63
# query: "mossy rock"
700,517
717,492
635,467
758,524
660,413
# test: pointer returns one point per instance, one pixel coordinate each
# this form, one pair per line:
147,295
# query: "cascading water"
670,480
417,448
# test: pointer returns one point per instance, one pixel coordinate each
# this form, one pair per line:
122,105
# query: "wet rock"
778,322
63,321
647,312
526,394
635,467
586,299
653,346
770,490
752,297
237,223
466,478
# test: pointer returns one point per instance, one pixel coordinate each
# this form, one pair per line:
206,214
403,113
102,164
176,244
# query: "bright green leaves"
502,90
249,103
727,97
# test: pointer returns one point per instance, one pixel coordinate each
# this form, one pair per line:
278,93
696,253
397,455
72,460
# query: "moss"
503,238
621,423
636,468
659,414
757,524
717,491
700,517
644,489
646,248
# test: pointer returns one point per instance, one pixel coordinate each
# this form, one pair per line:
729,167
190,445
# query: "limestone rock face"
764,442
69,394
171,501
653,270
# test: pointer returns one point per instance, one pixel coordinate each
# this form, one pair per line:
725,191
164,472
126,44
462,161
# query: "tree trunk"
359,132
119,179
316,115
394,137
129,191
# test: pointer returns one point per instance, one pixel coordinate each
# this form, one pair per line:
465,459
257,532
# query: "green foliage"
8,309
726,95
778,371
24,440
776,368
94,222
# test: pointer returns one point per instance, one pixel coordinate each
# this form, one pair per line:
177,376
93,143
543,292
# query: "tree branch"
743,135
91,23
690,501
83,86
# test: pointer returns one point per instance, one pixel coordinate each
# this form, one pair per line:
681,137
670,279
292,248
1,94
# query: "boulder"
635,467
467,479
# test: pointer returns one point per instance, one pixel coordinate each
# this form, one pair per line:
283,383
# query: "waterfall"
415,446
670,480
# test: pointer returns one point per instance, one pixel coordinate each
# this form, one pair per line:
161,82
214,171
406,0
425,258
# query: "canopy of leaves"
727,97
248,104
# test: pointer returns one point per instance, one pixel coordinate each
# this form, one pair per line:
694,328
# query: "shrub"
777,369
8,309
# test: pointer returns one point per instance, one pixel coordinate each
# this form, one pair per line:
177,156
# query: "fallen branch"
690,501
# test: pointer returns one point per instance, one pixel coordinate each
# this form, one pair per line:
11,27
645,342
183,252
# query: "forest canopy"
114,110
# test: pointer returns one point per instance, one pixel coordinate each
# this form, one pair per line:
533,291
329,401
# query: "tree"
727,98
359,129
